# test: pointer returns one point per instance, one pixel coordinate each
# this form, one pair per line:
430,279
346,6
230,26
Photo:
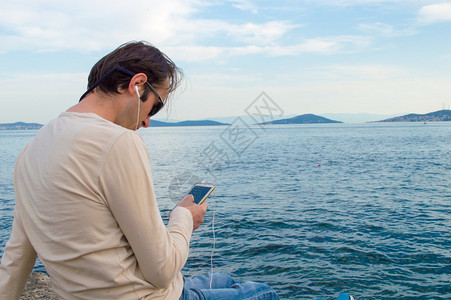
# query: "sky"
309,56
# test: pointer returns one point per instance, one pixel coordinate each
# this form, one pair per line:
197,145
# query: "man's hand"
198,211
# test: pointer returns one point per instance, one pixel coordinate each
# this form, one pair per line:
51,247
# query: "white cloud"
440,12
260,34
386,30
54,26
245,5
196,31
325,46
93,26
88,25
333,44
193,53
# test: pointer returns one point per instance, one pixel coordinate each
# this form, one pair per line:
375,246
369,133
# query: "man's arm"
126,183
17,261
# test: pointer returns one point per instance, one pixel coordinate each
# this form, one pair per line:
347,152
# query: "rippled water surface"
312,210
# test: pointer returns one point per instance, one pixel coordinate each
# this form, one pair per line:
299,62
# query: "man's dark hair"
137,57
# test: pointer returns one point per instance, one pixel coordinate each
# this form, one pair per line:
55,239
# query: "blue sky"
344,56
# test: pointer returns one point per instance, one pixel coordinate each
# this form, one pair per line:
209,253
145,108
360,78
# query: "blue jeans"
223,287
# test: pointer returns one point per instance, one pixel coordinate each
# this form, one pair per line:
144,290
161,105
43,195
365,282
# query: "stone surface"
38,286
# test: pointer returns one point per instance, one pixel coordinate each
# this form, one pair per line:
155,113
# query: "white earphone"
139,98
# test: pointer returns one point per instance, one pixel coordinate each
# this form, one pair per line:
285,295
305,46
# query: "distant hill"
437,116
357,117
155,123
302,119
19,126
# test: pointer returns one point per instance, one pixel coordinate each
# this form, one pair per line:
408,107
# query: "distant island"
19,126
437,116
302,119
155,123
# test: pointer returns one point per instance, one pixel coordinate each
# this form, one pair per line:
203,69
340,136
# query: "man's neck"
104,107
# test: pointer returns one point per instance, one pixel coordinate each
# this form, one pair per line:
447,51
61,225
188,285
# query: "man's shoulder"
87,129
88,123
110,133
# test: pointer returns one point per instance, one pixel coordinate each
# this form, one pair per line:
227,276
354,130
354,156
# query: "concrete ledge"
38,286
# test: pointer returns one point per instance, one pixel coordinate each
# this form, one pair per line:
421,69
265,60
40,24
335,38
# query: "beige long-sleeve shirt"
85,204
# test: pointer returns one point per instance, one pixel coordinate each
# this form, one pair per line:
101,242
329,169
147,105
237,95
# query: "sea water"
312,210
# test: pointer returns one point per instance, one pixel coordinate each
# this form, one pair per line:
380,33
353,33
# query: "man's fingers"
190,197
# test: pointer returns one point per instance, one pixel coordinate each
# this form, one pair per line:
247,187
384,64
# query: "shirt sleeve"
126,183
17,263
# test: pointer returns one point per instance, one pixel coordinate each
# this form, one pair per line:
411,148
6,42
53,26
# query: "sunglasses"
155,109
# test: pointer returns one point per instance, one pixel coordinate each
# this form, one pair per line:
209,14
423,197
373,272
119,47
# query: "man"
85,201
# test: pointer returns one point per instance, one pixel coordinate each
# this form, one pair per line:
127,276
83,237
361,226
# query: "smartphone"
201,191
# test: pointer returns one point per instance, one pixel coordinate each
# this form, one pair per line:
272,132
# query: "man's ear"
137,81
